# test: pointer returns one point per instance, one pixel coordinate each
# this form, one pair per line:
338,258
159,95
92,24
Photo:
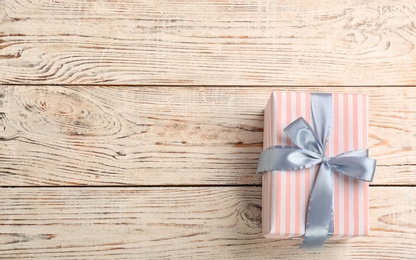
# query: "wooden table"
131,129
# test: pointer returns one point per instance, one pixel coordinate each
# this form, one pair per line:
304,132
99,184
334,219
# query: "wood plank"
169,136
215,222
208,42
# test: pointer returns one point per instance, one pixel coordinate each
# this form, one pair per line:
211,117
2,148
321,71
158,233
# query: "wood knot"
250,213
68,112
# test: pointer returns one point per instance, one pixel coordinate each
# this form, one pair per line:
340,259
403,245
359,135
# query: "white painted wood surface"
85,135
181,222
132,129
217,42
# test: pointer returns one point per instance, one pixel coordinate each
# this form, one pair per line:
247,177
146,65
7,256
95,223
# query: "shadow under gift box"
285,194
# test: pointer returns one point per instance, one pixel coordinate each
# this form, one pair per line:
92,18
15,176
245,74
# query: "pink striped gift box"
286,193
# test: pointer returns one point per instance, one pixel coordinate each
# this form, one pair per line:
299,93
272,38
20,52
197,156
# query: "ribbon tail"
320,210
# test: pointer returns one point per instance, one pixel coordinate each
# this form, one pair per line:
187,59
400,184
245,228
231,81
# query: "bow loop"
302,135
361,168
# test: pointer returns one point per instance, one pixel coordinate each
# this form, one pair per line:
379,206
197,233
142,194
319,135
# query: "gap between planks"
277,86
174,186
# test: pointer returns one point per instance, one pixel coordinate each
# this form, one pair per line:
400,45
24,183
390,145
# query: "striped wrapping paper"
286,193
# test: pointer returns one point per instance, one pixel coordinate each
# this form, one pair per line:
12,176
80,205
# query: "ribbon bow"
310,151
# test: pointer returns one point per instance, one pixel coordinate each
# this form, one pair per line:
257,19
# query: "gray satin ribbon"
310,151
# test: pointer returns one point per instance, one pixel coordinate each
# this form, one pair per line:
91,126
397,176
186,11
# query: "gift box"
286,194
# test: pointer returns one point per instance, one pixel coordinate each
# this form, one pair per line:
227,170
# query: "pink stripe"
269,174
266,177
278,174
269,187
356,208
298,188
346,180
303,193
329,150
269,179
355,117
340,141
365,143
336,174
288,142
307,171
356,182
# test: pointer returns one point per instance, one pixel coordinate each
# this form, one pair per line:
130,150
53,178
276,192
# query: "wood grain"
87,99
208,42
197,223
54,135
